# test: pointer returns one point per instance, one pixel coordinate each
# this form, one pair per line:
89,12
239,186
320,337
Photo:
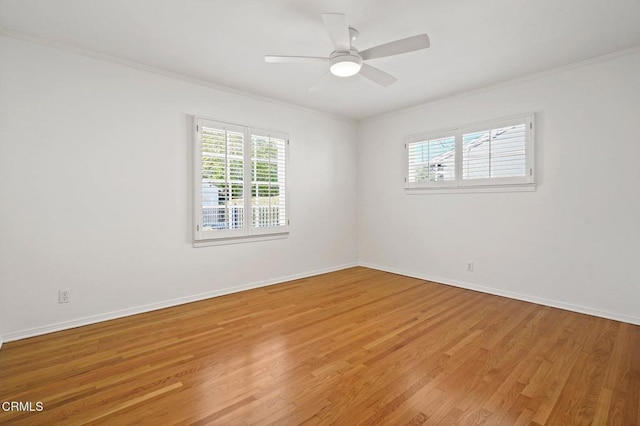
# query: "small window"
432,160
488,154
240,182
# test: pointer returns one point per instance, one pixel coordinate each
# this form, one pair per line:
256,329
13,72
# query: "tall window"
240,181
268,194
489,154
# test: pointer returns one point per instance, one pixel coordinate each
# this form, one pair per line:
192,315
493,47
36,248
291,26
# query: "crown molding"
506,83
165,73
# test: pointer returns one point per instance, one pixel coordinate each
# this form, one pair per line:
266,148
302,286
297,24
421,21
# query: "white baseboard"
23,334
509,294
65,325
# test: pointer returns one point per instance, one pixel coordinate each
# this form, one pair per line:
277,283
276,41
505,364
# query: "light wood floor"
352,347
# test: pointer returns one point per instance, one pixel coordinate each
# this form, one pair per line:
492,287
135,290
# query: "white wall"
94,191
575,242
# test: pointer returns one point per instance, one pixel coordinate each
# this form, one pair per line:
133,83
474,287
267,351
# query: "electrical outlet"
64,295
470,266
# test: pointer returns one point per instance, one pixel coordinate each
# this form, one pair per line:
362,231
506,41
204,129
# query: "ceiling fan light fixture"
345,65
347,61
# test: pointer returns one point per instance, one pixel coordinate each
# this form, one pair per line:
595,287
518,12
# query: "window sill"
529,187
240,240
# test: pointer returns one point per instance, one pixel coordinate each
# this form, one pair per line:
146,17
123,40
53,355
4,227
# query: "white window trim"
460,185
238,240
203,238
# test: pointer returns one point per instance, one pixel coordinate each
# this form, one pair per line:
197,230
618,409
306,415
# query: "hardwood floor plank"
133,402
356,346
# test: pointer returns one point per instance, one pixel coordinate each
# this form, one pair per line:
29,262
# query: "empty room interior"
320,212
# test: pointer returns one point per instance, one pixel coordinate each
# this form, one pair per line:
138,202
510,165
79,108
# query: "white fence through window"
232,217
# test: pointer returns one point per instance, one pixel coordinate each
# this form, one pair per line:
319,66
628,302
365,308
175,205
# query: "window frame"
460,184
246,233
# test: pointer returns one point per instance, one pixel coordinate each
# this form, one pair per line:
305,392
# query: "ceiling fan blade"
396,47
283,59
336,25
377,75
320,83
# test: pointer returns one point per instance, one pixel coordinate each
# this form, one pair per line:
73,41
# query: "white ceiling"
474,43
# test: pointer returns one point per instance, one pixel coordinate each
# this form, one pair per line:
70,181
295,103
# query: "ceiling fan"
346,61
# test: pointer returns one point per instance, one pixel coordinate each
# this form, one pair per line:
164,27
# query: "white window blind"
240,181
488,154
268,179
431,161
222,185
495,153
